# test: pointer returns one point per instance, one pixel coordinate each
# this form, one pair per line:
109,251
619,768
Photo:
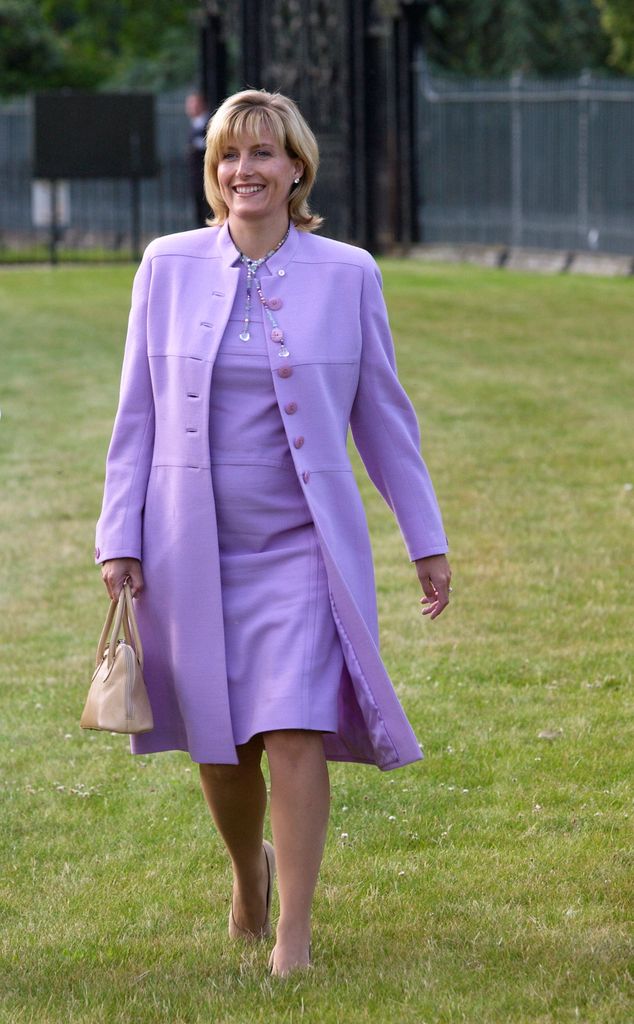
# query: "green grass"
40,252
489,884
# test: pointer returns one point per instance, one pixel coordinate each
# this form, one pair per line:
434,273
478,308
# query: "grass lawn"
491,882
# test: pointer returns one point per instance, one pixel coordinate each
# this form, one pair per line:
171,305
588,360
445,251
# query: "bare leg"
236,795
300,805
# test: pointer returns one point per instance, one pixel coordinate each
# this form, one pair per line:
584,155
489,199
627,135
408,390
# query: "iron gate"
348,64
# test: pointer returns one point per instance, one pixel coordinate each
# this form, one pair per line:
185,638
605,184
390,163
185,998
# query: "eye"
263,152
229,156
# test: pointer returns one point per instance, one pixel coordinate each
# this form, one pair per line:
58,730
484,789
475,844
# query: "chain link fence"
546,164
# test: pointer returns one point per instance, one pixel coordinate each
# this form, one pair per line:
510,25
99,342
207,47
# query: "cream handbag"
117,699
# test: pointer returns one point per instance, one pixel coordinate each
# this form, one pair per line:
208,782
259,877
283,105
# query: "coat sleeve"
386,433
119,529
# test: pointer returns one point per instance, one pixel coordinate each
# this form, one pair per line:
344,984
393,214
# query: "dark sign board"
94,135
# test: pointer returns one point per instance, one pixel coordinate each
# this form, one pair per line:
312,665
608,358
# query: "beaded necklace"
277,335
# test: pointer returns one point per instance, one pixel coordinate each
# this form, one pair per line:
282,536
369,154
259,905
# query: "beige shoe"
235,931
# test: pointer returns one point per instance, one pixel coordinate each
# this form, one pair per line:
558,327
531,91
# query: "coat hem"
342,758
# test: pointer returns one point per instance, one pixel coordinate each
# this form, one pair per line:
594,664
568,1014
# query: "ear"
299,168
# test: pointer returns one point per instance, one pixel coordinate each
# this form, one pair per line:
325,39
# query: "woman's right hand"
116,571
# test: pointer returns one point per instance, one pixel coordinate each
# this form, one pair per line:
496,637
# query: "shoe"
299,967
235,931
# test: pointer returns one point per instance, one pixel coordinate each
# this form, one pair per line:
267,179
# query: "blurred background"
504,123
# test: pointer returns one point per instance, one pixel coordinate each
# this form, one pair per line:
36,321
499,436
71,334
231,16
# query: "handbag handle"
124,609
105,632
129,620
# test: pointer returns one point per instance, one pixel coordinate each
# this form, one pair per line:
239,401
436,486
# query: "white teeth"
247,190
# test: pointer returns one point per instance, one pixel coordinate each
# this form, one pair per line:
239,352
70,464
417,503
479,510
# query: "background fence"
514,163
100,210
527,163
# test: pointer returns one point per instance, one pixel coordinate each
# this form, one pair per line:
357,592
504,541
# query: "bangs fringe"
253,121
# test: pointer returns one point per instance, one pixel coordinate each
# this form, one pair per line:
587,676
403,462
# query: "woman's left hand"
434,573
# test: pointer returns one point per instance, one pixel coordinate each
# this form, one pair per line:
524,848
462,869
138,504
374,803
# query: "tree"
92,43
31,54
617,19
149,43
492,38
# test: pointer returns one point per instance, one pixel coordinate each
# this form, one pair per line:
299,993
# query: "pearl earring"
296,181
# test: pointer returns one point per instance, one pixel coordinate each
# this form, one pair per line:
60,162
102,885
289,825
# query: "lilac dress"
284,657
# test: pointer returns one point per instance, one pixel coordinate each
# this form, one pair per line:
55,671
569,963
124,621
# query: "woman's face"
255,176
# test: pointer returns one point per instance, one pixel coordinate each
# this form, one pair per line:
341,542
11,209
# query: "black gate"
349,65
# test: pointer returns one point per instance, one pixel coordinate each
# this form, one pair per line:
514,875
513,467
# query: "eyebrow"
256,145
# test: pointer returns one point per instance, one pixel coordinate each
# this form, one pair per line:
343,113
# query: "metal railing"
100,219
547,164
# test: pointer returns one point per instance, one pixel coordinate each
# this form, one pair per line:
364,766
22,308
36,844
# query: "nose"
244,164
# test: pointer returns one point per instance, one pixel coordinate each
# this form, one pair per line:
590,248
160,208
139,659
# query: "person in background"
198,114
231,505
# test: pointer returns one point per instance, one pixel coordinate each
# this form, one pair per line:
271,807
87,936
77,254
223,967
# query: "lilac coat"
158,501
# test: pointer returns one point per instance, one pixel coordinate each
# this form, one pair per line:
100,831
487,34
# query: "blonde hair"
251,112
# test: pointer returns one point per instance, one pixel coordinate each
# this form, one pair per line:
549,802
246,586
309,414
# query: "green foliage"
489,884
490,38
32,54
91,43
617,19
113,28
172,66
153,43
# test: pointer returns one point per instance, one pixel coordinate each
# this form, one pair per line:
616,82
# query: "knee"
249,756
221,774
294,746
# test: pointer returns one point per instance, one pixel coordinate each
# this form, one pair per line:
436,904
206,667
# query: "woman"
231,505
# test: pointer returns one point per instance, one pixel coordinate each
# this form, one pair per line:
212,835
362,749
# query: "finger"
441,585
439,598
429,589
136,580
107,582
438,610
442,595
430,598
114,583
441,604
430,604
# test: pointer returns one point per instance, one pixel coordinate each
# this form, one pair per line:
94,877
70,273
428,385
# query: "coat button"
298,442
290,408
305,476
275,303
281,273
97,553
285,371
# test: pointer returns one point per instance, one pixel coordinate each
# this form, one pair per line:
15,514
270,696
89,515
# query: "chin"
251,214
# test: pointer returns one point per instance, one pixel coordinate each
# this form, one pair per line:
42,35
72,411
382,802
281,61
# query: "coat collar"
278,261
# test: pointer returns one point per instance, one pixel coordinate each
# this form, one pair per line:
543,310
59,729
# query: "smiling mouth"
247,190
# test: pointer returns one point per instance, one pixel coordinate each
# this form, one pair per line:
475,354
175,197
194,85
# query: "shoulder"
318,249
198,244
